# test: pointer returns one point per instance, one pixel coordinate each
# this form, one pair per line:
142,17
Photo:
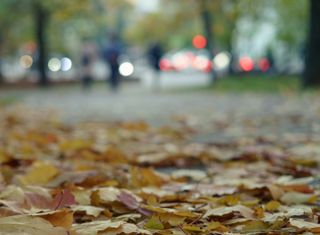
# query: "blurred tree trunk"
207,20
1,47
40,23
1,74
312,62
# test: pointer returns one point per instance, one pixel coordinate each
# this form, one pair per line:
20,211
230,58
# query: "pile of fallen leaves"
131,178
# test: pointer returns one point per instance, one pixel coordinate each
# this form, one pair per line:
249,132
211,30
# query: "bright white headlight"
126,69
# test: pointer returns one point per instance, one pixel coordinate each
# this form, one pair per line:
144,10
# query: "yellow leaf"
217,226
145,177
192,228
74,144
259,212
313,199
172,219
229,200
110,183
250,203
254,226
152,200
4,157
154,208
272,205
278,224
40,173
188,214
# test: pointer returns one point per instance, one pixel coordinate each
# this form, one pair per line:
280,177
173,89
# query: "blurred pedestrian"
155,53
270,58
87,61
111,54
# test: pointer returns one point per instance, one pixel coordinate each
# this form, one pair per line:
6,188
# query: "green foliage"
67,21
292,22
177,21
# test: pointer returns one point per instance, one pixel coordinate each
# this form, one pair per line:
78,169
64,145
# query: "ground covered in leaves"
132,178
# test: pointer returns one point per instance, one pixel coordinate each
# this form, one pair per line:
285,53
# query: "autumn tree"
41,11
12,30
46,22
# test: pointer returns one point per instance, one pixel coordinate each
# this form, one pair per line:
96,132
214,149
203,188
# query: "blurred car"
186,60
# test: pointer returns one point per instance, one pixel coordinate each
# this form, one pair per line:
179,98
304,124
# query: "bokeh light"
66,64
199,41
264,64
54,64
26,61
202,63
165,65
181,61
126,69
222,60
246,64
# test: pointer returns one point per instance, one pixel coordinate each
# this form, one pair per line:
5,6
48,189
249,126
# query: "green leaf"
154,223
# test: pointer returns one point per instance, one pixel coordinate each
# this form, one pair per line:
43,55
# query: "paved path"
233,114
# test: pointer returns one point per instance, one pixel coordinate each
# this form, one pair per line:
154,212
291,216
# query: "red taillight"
264,64
165,65
246,64
202,63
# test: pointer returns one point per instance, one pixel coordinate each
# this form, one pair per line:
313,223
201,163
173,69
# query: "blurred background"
183,41
134,58
161,59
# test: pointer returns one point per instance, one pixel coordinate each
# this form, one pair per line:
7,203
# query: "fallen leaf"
63,198
154,223
296,198
128,200
254,226
272,205
192,228
217,226
222,211
40,173
28,225
304,224
89,210
60,218
108,227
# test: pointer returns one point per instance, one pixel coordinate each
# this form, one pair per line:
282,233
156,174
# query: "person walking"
155,54
111,54
87,60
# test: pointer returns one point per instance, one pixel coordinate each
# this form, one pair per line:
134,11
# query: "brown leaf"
61,218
